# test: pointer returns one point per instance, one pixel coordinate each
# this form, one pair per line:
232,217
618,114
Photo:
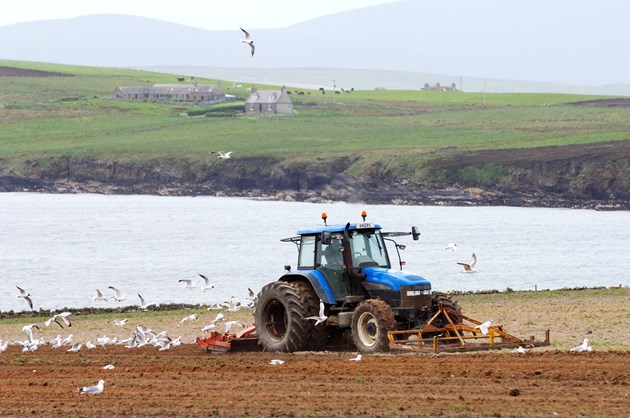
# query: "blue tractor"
345,283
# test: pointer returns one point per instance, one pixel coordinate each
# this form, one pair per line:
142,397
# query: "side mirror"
287,267
326,238
402,247
414,233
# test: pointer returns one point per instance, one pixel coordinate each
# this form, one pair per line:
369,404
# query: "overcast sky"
204,14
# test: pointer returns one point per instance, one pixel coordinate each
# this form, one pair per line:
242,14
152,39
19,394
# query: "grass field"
73,117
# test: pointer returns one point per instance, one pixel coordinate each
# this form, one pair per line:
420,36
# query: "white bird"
468,267
209,327
223,155
93,390
4,346
120,322
26,296
229,324
89,345
233,305
248,41
207,285
99,296
51,320
276,362
189,283
192,317
65,316
75,348
118,295
28,329
484,327
143,304
585,346
109,367
67,340
220,317
452,246
321,317
250,295
215,307
357,358
519,350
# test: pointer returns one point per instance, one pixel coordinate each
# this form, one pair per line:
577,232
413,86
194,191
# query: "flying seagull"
321,317
468,267
222,154
484,327
248,41
99,296
192,317
452,246
143,304
93,390
118,296
188,283
28,329
207,285
26,296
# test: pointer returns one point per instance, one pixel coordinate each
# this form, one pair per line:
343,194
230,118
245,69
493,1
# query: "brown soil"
188,382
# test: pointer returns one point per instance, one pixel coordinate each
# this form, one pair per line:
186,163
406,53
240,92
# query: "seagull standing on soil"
118,295
75,348
276,362
248,41
321,317
26,296
468,267
120,322
519,350
484,327
359,357
93,390
585,346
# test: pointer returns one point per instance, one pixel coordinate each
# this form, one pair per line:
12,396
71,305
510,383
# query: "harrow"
452,338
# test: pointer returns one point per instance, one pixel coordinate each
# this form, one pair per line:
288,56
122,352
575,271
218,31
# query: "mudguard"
316,279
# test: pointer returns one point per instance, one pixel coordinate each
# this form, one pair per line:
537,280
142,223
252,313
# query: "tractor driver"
333,255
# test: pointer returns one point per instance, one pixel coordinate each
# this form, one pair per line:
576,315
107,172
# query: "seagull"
215,307
120,322
452,246
89,345
224,155
188,283
519,350
109,367
65,316
53,319
233,305
209,327
248,41
118,297
75,348
143,304
357,358
192,317
99,296
26,296
93,390
4,346
207,285
250,295
468,267
228,325
484,327
322,316
276,362
28,329
220,317
585,346
67,340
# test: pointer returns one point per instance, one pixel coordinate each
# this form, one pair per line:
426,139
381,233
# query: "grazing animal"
180,79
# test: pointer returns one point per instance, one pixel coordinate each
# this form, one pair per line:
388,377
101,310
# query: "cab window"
307,252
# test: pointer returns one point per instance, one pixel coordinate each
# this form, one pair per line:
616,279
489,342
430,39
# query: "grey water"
61,248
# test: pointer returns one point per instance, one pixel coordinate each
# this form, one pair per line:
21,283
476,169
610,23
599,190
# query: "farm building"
198,93
269,101
439,87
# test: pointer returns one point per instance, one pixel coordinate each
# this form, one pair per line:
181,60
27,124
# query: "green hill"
61,129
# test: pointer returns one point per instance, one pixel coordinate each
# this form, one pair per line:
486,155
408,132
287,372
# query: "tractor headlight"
418,292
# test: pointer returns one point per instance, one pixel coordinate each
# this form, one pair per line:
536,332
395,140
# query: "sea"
62,247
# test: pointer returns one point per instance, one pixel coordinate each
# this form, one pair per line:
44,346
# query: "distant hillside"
491,40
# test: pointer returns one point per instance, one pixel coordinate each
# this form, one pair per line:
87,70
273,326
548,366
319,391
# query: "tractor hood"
393,278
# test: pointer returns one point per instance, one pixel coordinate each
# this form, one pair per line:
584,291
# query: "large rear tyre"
439,298
278,317
317,334
371,322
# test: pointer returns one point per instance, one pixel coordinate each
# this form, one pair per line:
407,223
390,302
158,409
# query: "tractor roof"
336,228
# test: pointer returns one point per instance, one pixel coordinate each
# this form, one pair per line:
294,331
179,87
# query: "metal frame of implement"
451,337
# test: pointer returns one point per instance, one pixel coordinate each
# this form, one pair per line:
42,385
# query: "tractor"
345,271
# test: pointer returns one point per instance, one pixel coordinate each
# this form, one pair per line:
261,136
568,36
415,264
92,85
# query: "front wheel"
371,322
